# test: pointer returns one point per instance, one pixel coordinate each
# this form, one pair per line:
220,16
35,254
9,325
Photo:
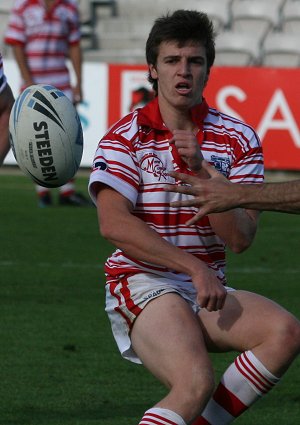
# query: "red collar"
150,116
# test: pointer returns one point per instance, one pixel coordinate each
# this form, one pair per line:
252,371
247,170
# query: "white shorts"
127,297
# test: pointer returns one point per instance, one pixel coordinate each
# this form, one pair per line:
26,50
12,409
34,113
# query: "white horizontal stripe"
215,414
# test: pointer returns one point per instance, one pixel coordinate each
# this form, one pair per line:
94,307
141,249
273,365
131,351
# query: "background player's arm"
6,103
19,54
281,197
76,60
137,240
218,194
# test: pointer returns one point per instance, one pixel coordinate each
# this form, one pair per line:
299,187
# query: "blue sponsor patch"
221,164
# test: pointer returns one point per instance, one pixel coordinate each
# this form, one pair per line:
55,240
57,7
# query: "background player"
43,35
6,103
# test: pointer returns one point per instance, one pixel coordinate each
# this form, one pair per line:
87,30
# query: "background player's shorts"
126,298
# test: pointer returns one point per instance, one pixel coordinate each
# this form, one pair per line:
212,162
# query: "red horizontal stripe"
229,401
251,370
248,376
156,419
257,372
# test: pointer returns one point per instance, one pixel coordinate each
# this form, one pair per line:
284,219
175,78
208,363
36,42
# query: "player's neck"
49,3
175,119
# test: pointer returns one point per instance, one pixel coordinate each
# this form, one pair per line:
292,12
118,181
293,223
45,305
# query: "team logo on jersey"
152,164
221,164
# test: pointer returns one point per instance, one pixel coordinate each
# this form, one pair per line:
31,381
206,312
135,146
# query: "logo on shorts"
153,294
152,164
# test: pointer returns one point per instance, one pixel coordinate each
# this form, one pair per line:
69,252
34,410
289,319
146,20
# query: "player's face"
181,73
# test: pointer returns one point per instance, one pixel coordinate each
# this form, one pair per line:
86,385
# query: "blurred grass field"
58,362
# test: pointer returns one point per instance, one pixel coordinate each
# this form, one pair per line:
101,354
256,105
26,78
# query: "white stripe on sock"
160,416
216,414
261,380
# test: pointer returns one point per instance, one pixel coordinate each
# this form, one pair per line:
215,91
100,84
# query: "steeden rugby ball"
46,135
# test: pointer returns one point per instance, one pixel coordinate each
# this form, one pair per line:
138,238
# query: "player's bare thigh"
168,329
251,322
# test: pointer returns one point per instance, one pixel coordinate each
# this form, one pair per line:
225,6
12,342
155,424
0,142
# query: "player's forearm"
237,228
133,236
282,197
137,240
21,60
76,59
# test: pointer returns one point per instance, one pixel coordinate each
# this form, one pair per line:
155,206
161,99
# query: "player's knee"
289,334
294,334
197,388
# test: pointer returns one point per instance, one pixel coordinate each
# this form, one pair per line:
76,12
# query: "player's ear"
153,72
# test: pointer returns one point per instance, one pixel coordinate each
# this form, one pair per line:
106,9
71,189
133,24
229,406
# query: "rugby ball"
46,135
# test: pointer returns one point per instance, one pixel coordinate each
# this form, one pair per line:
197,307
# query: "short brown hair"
181,26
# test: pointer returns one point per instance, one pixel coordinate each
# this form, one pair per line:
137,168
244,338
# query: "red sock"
67,189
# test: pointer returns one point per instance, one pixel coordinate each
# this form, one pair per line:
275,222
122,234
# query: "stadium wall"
266,98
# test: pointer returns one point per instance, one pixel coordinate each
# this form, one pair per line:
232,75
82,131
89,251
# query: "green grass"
58,362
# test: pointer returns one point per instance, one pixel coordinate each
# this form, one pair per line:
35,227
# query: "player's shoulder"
21,4
218,118
126,127
71,4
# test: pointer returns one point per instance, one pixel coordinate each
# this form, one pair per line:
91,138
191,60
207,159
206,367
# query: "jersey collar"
150,116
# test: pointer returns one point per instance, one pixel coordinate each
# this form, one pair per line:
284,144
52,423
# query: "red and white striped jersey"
46,36
133,158
2,75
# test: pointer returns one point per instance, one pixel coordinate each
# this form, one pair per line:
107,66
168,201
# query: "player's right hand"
211,293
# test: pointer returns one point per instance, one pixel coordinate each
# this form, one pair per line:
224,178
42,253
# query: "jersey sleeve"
74,25
115,165
248,164
2,76
15,33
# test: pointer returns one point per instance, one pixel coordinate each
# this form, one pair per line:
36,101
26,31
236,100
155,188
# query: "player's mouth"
183,88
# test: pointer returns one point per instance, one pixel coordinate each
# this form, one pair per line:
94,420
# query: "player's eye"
197,61
171,60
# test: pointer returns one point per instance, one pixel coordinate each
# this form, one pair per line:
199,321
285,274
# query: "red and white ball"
46,135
